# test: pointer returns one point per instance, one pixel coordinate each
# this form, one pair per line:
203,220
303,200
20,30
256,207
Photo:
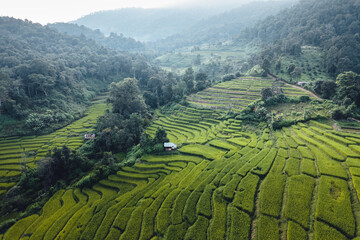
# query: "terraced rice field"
238,93
16,150
302,182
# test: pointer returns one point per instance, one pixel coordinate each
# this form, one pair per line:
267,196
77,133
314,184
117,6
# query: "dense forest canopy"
115,41
53,75
222,27
42,68
330,24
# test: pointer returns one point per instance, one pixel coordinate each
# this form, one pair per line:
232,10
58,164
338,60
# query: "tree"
160,136
349,86
266,64
266,93
328,89
201,81
189,79
126,98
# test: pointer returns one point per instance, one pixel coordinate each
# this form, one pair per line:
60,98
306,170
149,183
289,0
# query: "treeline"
222,27
330,24
49,75
114,41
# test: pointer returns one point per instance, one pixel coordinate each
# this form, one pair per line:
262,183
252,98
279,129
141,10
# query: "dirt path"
298,87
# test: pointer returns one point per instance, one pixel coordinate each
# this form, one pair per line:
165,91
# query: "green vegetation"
255,157
299,195
334,206
268,228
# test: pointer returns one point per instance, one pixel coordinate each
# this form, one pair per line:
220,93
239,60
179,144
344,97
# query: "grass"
245,193
203,150
298,203
199,229
204,205
271,194
268,228
264,166
334,205
327,166
308,167
240,224
217,227
324,231
190,207
292,166
295,232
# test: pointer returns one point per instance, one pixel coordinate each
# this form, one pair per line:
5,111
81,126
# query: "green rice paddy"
238,93
300,182
14,151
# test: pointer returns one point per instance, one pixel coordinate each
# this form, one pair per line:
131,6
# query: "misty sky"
50,11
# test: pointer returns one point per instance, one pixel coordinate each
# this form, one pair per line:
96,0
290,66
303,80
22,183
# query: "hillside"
144,24
224,182
332,25
222,27
114,41
47,79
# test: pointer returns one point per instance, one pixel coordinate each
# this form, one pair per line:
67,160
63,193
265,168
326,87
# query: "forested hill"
45,74
144,24
330,24
115,41
224,26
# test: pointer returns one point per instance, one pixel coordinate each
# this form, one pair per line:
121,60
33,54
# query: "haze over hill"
154,24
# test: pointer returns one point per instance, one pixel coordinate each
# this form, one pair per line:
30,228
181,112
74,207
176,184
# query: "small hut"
168,147
89,136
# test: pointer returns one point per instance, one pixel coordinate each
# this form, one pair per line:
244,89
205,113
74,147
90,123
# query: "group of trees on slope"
330,24
51,76
114,40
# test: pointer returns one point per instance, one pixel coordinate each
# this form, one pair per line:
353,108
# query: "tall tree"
126,98
349,87
189,79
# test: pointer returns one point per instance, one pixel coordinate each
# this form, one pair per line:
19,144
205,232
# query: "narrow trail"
298,87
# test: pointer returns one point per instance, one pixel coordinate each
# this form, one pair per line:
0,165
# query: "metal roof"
169,145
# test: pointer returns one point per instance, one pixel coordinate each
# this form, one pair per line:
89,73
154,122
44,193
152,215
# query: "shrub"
334,205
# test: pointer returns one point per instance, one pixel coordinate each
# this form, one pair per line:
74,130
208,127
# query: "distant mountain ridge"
114,41
224,26
144,24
